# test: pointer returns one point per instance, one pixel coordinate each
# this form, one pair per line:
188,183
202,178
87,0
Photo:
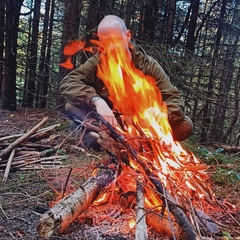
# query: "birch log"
66,211
141,226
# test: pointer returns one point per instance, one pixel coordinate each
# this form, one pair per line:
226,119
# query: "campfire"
146,169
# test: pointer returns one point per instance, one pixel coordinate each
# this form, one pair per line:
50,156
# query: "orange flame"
132,223
72,48
135,94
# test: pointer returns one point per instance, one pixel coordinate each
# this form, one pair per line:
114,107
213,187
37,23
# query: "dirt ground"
27,194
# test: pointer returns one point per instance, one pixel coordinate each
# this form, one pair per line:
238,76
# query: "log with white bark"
66,211
141,226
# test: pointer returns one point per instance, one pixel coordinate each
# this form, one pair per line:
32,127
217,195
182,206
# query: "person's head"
113,27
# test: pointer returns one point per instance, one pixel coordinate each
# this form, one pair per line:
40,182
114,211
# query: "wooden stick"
2,139
22,138
40,160
8,167
59,217
49,128
41,167
141,226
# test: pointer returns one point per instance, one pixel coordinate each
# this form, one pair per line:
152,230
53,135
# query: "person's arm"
103,109
80,85
77,86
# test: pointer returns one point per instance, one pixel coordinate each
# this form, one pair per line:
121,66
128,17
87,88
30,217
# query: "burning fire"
136,95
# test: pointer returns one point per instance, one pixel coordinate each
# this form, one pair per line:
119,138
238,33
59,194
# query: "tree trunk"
149,20
31,79
236,108
42,64
2,22
8,95
43,80
71,21
191,39
170,21
230,53
206,122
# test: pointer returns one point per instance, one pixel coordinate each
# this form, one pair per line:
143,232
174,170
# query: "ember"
173,182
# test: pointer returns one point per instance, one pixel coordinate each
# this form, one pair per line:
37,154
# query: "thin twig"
66,183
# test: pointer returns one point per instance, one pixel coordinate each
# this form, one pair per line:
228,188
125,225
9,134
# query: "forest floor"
26,194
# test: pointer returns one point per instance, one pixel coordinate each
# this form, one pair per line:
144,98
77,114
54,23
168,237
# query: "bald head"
111,22
113,34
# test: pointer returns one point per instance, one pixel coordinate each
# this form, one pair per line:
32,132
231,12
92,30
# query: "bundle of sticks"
29,151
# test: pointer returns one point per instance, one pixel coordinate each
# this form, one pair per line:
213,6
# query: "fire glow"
153,155
133,94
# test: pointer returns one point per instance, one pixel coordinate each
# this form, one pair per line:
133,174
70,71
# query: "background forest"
197,43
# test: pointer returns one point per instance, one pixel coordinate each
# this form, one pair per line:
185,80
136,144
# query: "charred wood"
163,227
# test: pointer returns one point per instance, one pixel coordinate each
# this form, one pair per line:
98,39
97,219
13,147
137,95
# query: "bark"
63,213
43,80
2,21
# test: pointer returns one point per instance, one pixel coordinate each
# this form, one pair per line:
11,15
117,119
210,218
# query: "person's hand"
156,113
103,109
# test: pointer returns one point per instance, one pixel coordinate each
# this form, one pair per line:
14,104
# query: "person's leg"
183,129
77,113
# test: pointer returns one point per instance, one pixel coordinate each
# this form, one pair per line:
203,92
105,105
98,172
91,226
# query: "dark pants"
181,131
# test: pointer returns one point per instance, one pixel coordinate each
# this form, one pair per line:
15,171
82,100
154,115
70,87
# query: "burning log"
163,226
66,211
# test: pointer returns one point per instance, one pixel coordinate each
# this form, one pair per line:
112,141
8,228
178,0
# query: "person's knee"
76,113
183,129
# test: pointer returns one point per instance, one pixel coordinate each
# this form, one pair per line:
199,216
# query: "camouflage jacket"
81,85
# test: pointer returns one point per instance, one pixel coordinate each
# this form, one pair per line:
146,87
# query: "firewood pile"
32,150
164,185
